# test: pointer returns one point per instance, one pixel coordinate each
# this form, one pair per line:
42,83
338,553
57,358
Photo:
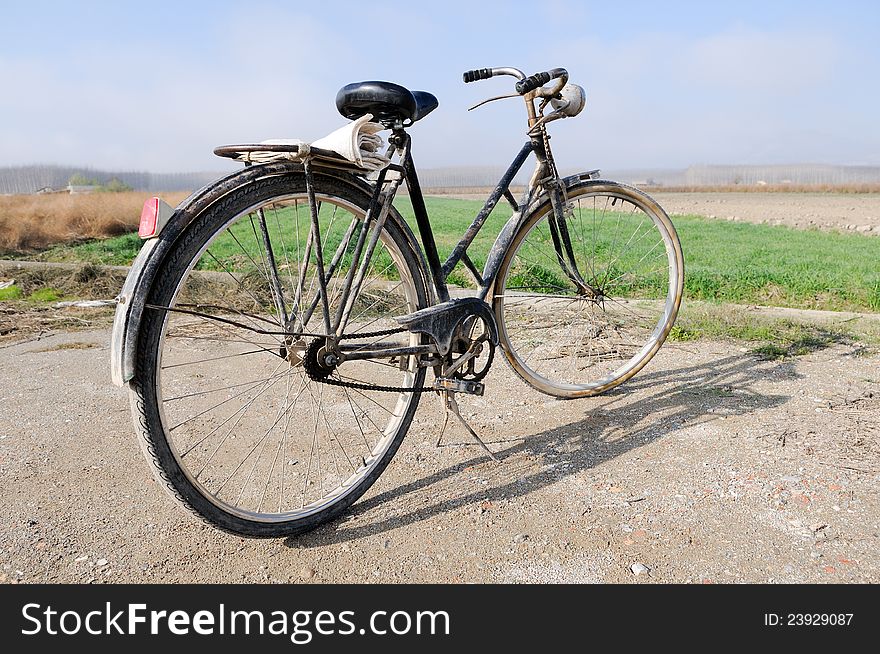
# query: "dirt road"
845,211
859,212
710,466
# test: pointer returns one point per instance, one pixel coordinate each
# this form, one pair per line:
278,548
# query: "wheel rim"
247,427
563,342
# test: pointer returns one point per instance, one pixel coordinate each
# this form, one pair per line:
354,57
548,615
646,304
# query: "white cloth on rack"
359,142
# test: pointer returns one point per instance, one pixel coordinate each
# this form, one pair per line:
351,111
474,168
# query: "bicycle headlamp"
572,100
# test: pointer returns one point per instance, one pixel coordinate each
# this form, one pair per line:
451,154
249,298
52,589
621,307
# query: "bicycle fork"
547,175
562,241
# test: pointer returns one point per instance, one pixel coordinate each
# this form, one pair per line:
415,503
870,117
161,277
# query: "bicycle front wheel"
234,424
570,342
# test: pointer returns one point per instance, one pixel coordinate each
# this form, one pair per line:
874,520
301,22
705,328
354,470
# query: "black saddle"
386,101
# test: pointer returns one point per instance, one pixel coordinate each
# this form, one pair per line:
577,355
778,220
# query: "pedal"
450,385
451,406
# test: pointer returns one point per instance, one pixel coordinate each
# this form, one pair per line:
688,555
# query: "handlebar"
486,73
540,79
525,84
475,75
532,88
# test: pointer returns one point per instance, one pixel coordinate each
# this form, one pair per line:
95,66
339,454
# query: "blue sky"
155,86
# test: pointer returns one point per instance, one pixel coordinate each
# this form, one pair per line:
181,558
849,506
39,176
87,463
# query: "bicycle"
277,327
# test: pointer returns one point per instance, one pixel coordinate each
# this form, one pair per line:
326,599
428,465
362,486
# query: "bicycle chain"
316,376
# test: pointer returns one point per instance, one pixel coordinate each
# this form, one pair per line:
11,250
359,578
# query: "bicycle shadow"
682,396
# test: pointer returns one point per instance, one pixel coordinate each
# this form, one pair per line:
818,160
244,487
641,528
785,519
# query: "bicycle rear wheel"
230,419
561,340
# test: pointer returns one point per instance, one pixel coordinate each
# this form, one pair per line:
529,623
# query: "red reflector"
149,218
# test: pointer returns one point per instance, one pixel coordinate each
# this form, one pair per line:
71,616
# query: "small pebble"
639,569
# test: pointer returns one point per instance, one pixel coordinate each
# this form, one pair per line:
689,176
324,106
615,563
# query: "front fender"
534,201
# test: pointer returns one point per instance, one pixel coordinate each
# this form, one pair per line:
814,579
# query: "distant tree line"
30,179
781,174
113,185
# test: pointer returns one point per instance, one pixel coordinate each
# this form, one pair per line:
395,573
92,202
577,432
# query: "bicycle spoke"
237,281
252,433
354,414
226,356
227,400
241,412
562,346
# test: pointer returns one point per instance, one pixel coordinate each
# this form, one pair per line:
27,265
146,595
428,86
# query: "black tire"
146,396
555,337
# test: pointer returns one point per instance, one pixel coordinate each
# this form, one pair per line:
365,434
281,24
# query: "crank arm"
472,352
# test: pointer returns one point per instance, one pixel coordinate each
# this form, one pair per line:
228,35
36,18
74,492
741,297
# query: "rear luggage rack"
296,153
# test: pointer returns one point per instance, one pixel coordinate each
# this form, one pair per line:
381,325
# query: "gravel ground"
711,466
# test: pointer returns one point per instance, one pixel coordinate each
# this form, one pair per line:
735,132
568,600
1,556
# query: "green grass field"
725,262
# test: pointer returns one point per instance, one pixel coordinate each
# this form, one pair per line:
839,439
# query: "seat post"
401,138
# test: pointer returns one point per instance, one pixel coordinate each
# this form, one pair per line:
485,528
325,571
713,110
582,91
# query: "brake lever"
497,97
543,120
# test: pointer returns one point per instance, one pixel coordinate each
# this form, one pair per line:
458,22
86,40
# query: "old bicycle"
277,328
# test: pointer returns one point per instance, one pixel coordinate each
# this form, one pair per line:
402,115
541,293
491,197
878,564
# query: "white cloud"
654,99
738,95
769,62
168,119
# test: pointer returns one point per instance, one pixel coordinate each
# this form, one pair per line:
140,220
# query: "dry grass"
22,322
33,222
85,281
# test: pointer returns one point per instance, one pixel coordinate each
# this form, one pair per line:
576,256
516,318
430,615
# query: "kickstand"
451,406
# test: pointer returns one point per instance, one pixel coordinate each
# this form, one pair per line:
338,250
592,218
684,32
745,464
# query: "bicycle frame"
486,279
440,271
545,177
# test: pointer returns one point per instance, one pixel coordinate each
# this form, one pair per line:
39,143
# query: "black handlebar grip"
533,82
475,75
